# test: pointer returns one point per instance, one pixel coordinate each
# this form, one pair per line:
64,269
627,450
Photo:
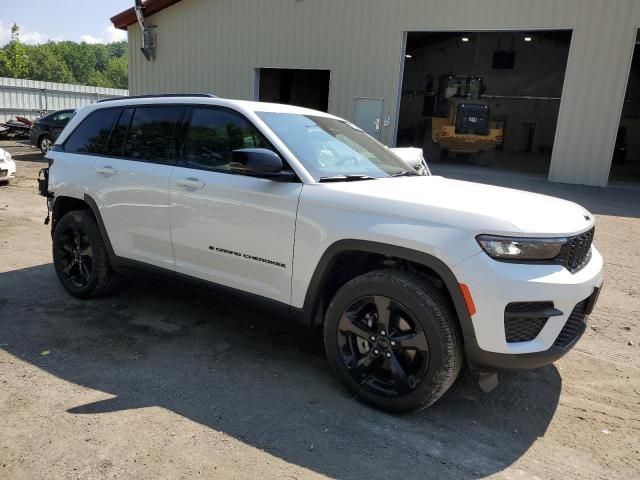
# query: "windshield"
329,147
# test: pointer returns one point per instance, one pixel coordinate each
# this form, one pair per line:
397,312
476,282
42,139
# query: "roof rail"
161,95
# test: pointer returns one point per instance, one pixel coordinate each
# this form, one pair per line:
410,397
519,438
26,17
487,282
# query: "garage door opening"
626,155
304,88
488,98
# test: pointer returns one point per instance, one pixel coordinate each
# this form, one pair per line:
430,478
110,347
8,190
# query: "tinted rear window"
92,134
150,136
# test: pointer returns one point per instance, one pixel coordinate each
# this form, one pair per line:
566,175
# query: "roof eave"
128,17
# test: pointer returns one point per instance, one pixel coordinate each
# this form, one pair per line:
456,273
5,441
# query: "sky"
77,20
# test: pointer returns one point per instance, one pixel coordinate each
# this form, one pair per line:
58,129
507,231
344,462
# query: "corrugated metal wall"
216,45
28,97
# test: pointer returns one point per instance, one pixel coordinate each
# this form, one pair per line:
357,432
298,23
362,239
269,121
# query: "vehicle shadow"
260,379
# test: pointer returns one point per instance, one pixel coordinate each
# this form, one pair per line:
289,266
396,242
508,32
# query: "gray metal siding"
216,45
27,97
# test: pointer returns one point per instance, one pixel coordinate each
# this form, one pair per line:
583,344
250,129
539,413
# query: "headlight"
521,249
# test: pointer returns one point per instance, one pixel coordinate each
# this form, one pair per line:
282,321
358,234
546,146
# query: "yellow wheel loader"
461,121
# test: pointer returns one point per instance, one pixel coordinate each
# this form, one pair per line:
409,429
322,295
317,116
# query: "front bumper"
493,285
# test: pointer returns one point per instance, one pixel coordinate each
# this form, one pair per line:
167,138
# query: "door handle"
190,183
107,171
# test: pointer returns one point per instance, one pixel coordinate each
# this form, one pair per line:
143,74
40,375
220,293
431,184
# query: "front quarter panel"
325,218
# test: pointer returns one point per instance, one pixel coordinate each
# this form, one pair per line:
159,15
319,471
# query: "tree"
79,57
66,62
13,57
44,64
117,73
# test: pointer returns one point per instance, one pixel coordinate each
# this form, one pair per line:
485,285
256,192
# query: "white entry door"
368,115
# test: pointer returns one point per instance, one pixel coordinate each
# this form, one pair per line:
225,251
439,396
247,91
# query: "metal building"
233,48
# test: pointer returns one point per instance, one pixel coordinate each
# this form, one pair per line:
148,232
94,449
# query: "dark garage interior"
626,156
304,88
513,80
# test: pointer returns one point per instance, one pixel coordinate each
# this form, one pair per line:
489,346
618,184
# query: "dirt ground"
160,381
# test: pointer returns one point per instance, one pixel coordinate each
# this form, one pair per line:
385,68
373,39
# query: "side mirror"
259,162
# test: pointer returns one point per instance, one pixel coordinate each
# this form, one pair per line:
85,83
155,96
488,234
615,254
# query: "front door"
368,115
230,229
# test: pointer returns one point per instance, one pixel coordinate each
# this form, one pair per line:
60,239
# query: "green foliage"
65,62
46,65
13,57
117,72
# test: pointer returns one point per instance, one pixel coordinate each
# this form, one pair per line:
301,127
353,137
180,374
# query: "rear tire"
80,256
405,366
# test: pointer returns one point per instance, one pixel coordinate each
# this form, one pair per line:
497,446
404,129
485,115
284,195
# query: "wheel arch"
65,204
434,269
41,136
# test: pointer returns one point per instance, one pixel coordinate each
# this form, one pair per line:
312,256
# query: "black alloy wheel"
382,346
80,256
393,340
76,255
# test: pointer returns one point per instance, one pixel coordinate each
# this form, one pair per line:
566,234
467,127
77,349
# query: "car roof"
58,112
203,99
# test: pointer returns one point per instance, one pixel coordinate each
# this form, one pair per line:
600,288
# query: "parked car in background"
7,166
45,130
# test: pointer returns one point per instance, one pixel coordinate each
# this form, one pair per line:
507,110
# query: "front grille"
574,327
576,253
523,321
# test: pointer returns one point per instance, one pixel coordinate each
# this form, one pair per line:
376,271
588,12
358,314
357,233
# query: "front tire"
80,256
45,144
392,340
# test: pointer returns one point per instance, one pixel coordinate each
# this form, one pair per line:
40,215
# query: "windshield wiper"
406,173
346,178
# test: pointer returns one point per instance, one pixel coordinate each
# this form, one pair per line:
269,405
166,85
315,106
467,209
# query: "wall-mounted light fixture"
465,39
528,39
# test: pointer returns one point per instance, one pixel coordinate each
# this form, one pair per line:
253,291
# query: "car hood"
475,206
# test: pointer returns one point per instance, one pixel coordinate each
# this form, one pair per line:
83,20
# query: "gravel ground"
160,381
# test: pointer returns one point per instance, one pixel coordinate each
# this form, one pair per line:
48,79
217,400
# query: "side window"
63,117
92,134
150,136
116,142
214,133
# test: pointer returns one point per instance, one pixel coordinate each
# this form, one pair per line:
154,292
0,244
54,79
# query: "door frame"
256,80
636,44
405,35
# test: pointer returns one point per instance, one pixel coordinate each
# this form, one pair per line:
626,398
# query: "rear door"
131,183
231,229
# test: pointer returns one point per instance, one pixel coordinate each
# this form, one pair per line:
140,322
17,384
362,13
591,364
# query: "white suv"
301,211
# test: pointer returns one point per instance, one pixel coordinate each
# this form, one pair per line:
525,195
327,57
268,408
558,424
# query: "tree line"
65,62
